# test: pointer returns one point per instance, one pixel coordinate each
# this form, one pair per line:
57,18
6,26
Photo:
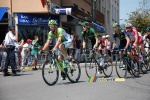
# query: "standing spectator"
78,46
102,43
34,52
108,45
72,47
1,51
10,39
24,52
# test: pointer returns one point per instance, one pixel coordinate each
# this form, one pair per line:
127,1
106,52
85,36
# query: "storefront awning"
2,11
98,27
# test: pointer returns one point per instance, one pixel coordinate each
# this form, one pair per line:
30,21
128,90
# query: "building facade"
30,17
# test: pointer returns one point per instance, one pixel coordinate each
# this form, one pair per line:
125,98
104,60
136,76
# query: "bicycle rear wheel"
50,73
74,71
121,67
91,67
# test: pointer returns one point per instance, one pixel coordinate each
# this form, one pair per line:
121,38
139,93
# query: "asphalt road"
30,86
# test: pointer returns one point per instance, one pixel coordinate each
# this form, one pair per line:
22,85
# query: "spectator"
72,47
1,57
34,52
24,52
108,45
10,39
78,46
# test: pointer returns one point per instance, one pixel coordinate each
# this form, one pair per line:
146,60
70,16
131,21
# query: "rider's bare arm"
58,42
114,44
96,38
128,42
46,44
84,44
136,39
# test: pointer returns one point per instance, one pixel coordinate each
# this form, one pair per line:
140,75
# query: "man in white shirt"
10,40
24,53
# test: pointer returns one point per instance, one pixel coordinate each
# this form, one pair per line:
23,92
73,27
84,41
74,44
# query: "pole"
93,10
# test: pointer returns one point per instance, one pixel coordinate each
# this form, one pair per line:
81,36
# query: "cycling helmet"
52,22
116,25
85,23
148,29
128,25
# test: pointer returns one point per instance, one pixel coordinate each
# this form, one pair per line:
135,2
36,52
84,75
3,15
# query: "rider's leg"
142,49
62,48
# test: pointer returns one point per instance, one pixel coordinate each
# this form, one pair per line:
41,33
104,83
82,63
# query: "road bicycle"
124,64
50,70
94,64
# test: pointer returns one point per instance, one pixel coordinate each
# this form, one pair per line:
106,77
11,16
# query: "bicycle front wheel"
121,67
91,67
74,71
50,73
107,69
143,67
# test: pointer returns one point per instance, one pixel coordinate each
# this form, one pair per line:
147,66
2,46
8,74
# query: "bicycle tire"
47,66
143,67
71,71
108,69
91,67
120,69
136,73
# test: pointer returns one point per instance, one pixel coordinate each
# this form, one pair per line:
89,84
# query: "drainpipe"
93,9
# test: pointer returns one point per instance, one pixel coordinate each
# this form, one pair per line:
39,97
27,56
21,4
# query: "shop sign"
36,19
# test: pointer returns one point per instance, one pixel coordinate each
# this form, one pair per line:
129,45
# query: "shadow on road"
70,83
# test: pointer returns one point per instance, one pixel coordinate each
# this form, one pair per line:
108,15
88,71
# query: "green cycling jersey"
60,33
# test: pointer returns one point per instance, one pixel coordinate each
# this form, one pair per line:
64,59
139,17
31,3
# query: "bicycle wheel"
50,72
136,70
143,67
91,67
121,67
108,69
147,62
74,71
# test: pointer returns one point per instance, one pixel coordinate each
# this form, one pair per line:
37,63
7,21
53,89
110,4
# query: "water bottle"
101,61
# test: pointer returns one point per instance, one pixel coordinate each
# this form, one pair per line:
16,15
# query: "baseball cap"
29,40
107,36
103,36
11,27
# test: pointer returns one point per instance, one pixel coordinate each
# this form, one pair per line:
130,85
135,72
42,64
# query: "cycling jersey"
122,37
90,35
60,33
132,35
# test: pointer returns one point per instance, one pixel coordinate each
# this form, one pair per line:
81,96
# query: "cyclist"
90,34
135,39
64,40
124,41
147,40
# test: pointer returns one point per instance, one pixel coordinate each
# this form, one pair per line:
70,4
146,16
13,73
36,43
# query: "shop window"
26,32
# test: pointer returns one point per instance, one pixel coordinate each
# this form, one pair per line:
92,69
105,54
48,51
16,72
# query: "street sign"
63,11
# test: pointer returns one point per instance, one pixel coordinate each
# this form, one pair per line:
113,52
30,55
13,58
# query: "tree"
141,17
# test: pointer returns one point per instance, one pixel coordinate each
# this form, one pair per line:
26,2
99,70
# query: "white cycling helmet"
107,36
128,25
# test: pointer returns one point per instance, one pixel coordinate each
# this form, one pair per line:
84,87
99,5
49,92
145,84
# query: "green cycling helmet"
116,25
52,22
85,23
